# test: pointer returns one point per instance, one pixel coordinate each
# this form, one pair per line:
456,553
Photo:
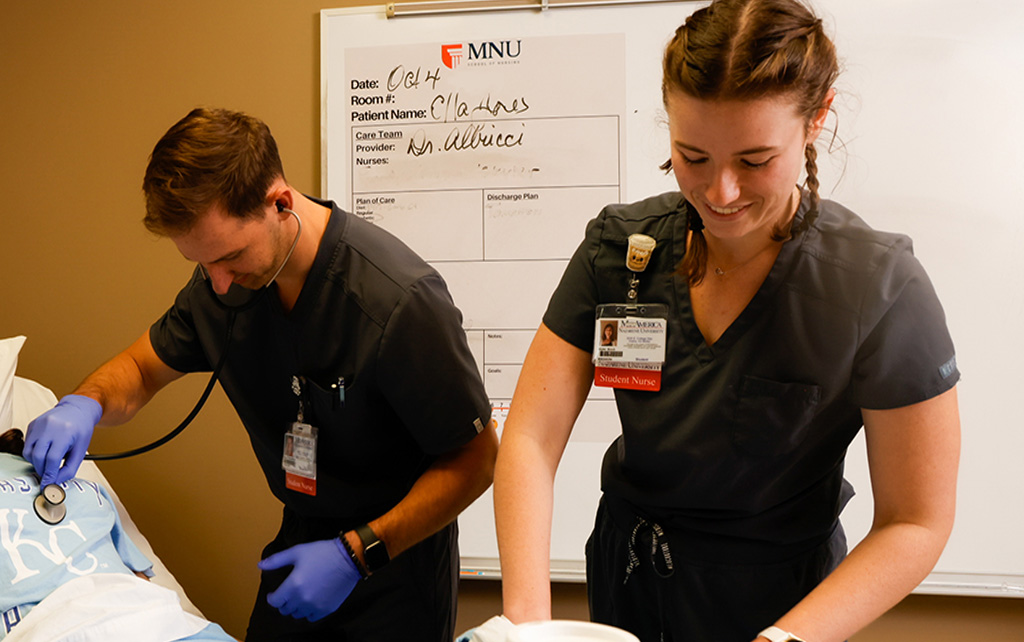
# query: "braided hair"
747,50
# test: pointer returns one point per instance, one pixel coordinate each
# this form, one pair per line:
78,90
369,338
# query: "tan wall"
86,89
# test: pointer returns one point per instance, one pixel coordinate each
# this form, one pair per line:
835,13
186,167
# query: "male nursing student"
350,349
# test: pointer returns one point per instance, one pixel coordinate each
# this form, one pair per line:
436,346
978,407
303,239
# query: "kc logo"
15,542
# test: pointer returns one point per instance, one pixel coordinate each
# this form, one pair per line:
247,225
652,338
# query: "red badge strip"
300,484
627,378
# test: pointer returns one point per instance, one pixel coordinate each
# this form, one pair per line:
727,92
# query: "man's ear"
280,196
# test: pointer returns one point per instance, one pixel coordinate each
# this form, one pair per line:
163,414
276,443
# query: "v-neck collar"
314,282
754,309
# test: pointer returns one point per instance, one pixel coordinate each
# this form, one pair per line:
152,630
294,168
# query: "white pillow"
31,399
9,349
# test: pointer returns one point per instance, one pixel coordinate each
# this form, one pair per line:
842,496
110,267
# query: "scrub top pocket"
333,417
327,402
772,417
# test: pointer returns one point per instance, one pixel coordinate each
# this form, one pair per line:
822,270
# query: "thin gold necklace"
720,272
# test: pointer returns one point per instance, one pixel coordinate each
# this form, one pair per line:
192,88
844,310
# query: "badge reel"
299,459
49,504
629,338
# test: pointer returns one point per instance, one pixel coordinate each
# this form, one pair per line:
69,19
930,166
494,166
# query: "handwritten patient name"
473,122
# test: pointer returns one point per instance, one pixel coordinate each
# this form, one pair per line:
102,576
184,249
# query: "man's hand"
61,434
323,575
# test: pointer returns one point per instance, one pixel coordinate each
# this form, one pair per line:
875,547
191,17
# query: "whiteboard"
929,145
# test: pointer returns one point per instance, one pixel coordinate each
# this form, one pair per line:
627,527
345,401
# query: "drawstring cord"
658,543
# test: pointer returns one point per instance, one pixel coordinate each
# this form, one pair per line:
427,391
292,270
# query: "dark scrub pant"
412,598
681,588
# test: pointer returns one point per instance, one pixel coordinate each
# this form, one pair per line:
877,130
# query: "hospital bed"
32,399
21,400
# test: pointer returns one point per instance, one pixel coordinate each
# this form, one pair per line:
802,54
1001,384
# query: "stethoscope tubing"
232,312
188,419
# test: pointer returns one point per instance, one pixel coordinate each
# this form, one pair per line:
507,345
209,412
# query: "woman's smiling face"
738,161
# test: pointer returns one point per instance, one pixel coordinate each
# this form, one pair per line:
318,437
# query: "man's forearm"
127,382
450,485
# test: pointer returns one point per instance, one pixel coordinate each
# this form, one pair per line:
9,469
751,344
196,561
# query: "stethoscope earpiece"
49,504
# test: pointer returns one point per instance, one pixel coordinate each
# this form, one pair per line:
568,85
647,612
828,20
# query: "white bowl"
568,631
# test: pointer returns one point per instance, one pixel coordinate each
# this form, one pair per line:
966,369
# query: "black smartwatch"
375,553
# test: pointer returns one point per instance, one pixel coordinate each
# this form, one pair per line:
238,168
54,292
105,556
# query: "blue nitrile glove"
62,433
323,574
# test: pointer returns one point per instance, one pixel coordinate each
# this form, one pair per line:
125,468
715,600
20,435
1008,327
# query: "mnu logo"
452,55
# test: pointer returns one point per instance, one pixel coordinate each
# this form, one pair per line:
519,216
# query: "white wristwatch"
775,634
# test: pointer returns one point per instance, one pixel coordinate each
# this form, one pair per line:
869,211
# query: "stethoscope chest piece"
49,504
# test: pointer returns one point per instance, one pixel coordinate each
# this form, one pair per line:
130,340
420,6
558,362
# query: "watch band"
775,634
355,558
375,553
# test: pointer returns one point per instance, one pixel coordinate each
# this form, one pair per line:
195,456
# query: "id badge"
299,460
629,345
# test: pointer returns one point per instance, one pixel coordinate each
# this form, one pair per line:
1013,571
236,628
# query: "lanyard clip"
297,391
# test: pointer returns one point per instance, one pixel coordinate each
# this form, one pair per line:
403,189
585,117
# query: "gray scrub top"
747,437
371,315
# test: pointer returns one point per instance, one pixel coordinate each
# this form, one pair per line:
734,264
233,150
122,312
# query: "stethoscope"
49,505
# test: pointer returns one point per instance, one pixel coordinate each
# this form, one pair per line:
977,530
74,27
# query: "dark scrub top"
371,313
746,438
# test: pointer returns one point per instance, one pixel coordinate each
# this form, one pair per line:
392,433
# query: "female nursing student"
790,324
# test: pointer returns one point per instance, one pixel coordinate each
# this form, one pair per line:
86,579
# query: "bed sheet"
113,607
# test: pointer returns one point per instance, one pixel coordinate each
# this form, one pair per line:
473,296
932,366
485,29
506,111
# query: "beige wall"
86,89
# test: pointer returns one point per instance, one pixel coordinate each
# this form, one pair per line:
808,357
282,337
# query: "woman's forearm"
523,499
551,390
886,566
913,455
